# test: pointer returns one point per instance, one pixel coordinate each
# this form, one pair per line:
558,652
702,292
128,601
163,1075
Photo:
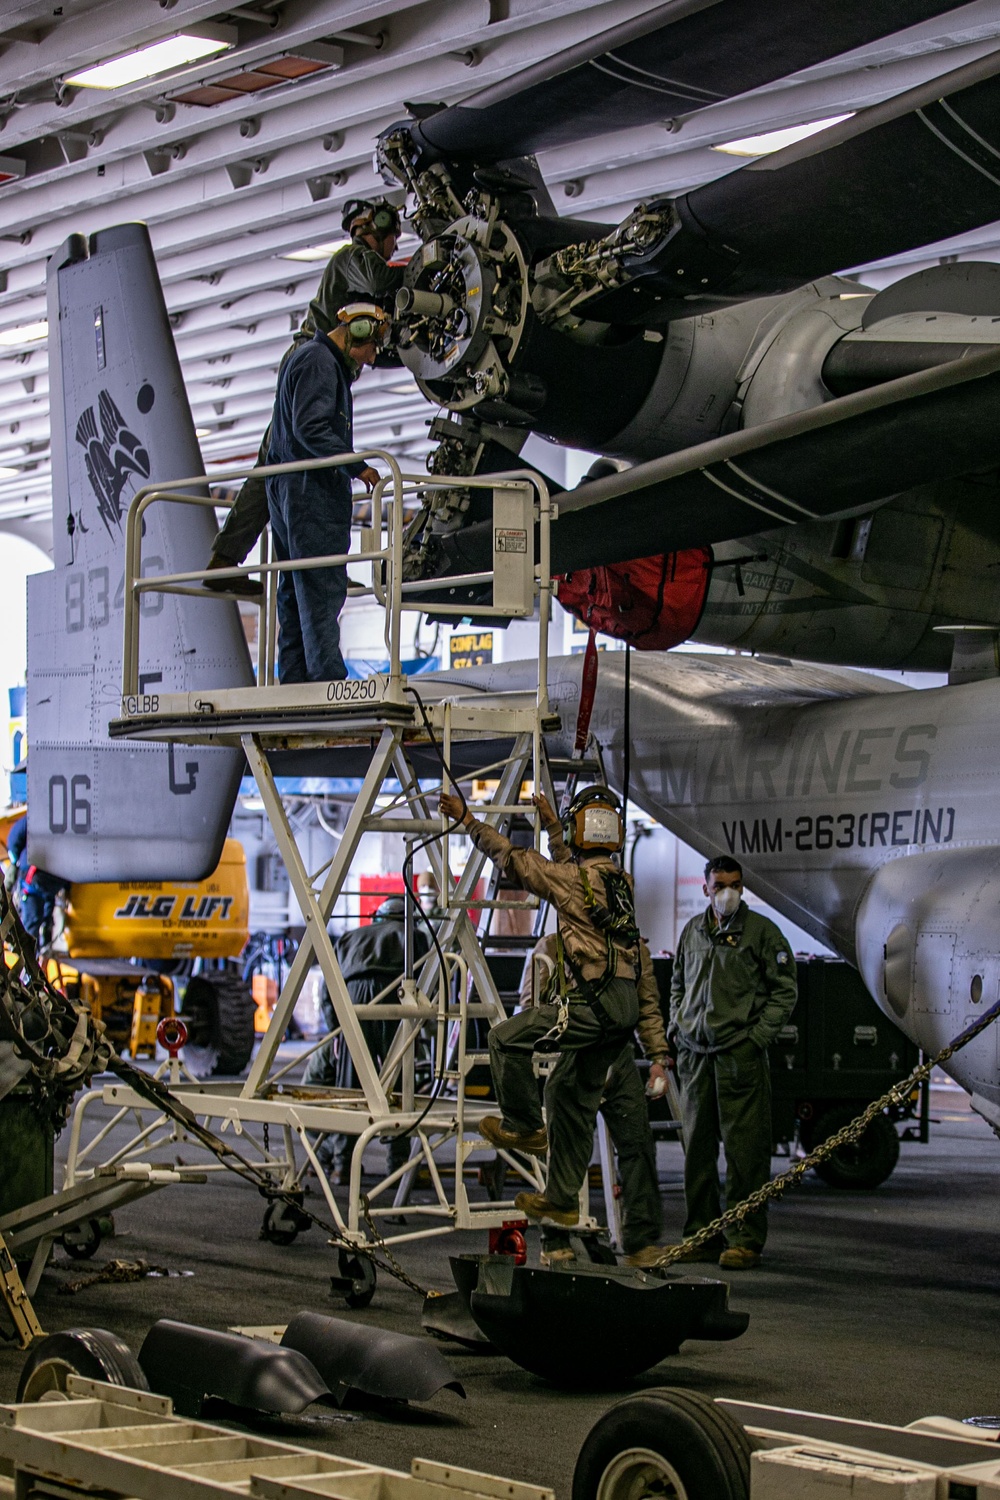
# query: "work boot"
739,1258
537,1207
492,1129
651,1255
559,1255
243,588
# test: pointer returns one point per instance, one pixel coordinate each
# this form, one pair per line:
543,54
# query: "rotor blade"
833,459
676,58
915,169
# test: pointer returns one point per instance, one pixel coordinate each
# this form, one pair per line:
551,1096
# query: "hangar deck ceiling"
240,159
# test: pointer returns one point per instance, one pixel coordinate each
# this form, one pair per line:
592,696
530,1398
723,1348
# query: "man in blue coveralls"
311,510
36,889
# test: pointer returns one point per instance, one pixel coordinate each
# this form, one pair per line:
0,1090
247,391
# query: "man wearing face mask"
733,988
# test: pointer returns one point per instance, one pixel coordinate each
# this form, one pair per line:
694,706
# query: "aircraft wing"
97,809
830,460
668,61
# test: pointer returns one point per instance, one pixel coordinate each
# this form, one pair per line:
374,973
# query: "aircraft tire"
665,1441
219,1013
93,1353
868,1162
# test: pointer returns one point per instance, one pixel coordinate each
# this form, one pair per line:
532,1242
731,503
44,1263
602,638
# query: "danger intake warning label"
509,541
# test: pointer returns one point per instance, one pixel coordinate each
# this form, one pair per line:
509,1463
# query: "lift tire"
283,1222
81,1240
665,1442
276,1229
93,1353
356,1280
219,1013
868,1162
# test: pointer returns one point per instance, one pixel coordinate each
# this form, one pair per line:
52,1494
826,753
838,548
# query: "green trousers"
726,1098
575,1086
623,1106
626,1114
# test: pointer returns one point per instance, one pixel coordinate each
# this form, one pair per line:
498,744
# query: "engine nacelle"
928,946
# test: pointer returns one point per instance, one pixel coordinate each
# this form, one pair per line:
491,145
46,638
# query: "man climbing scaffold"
586,1021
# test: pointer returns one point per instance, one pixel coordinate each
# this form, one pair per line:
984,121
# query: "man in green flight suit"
732,989
358,271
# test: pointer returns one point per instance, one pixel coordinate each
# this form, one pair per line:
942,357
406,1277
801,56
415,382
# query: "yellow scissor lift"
399,725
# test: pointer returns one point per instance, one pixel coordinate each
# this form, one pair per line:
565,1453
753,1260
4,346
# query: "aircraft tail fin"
101,809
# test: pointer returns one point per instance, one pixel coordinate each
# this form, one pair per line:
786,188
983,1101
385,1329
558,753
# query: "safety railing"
521,499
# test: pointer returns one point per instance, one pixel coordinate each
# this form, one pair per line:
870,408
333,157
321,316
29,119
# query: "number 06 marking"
67,807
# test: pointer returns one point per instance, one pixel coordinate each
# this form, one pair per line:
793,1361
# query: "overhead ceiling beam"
98,34
81,40
367,88
282,125
460,24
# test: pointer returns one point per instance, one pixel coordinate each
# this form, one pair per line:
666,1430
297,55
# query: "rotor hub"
462,312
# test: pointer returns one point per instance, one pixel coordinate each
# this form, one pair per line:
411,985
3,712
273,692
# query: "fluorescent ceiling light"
315,252
776,140
405,388
26,334
203,432
146,62
8,473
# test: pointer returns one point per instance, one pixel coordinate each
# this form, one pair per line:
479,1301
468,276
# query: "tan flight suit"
595,1032
623,1105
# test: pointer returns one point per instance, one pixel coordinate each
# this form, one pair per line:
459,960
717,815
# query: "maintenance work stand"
409,738
127,1444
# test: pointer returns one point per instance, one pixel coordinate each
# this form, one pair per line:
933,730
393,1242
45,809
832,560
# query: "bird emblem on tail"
113,456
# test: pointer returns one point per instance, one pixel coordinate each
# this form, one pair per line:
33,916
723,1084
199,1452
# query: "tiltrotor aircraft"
810,467
814,460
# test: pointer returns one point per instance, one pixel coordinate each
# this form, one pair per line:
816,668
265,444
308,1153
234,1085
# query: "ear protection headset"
380,218
364,322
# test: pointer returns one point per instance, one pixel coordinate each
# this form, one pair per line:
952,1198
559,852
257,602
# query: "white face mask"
725,901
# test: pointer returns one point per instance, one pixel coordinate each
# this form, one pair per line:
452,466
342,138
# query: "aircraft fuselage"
866,813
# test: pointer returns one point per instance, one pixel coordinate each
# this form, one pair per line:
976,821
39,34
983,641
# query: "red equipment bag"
651,602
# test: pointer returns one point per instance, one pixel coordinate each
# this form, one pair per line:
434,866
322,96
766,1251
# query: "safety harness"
616,920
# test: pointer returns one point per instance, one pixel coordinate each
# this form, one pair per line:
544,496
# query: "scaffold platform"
416,741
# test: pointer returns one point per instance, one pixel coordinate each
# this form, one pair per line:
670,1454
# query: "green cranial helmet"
393,909
593,822
370,216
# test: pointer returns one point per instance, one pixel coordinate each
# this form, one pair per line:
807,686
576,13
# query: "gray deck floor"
881,1305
